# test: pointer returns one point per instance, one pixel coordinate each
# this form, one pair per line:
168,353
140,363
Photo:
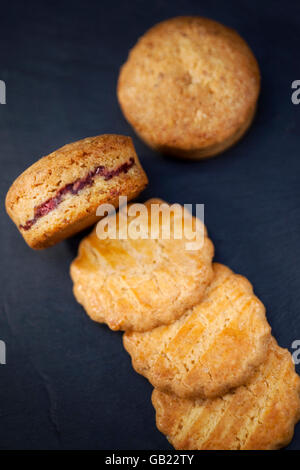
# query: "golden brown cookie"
58,195
138,284
257,416
189,87
214,347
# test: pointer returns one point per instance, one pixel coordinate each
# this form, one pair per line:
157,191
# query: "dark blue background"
68,382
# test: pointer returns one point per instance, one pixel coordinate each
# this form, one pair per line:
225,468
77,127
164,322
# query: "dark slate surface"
68,382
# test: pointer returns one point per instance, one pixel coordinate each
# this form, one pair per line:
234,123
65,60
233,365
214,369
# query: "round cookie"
214,347
59,194
189,87
257,416
138,284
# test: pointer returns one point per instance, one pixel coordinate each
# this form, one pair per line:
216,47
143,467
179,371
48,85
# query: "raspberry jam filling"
74,188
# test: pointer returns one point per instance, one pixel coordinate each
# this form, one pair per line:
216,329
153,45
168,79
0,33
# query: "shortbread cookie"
59,194
257,416
138,284
190,87
214,347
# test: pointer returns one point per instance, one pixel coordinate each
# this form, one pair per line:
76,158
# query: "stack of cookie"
193,328
198,333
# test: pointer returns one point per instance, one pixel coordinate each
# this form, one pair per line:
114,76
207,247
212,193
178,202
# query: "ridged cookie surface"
214,347
59,194
257,416
138,284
